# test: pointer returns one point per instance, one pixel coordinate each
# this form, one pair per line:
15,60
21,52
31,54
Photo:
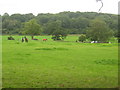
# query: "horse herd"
25,39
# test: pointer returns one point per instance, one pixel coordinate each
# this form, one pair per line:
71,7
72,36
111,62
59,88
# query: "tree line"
60,24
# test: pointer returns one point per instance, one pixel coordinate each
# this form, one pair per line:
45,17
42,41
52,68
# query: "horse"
44,39
11,38
26,39
34,39
22,39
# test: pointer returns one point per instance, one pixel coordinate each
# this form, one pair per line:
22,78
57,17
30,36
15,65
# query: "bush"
59,37
82,38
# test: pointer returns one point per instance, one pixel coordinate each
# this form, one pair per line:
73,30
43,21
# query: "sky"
56,6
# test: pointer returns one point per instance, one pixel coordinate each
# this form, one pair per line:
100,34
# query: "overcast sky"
56,6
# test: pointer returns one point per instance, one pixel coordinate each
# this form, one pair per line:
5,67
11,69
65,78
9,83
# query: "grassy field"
55,64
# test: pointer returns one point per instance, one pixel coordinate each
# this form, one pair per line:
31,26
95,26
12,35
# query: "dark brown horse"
22,39
26,39
34,38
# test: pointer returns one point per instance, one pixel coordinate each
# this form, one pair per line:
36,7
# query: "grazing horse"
44,39
11,38
34,39
22,39
26,40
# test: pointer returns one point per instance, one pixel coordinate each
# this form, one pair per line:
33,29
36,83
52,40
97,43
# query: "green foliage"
70,22
10,26
99,31
55,29
59,34
32,28
82,37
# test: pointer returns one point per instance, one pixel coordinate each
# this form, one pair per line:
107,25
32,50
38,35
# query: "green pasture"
58,64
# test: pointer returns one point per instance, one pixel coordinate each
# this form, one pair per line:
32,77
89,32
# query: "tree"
82,38
59,35
10,26
28,17
32,28
55,29
74,22
80,24
99,31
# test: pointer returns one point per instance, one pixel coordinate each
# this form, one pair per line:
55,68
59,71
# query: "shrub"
82,38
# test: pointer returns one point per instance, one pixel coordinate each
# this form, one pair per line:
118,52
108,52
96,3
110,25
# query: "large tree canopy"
55,29
70,22
99,31
32,28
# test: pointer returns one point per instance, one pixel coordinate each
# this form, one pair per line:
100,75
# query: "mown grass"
55,64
